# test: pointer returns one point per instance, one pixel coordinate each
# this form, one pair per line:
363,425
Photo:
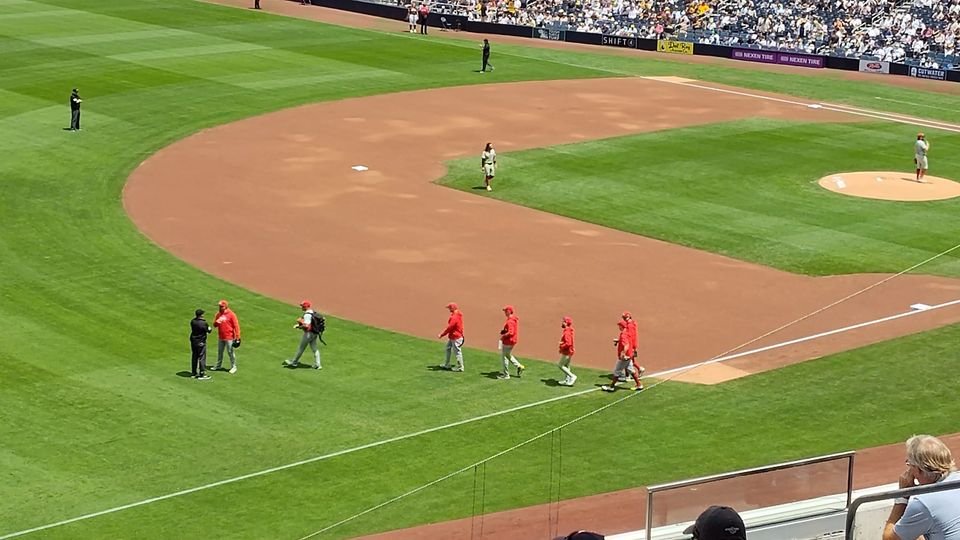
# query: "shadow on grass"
184,374
491,374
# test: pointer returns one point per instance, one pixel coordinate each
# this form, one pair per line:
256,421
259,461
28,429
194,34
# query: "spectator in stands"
718,523
936,516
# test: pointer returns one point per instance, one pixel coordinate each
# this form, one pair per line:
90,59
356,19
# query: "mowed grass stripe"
746,189
88,372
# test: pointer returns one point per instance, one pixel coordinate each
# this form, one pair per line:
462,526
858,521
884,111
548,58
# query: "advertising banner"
928,73
874,66
549,34
626,42
773,57
674,47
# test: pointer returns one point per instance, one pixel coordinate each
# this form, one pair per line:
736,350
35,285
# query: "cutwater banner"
773,57
549,34
626,42
928,73
674,47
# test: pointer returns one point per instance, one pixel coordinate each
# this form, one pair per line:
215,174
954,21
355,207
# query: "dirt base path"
356,20
396,248
621,511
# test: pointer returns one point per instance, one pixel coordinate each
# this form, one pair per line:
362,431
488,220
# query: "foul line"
375,444
890,117
292,465
809,338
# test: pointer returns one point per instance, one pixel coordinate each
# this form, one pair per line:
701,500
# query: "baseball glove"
236,343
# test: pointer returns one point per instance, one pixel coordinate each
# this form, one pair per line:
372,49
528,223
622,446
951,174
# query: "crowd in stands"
916,32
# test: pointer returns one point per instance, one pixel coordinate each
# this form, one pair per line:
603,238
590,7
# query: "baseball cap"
306,304
199,312
626,315
568,321
508,309
718,523
584,535
453,305
222,303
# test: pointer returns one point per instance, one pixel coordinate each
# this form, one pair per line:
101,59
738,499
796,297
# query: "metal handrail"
849,456
893,494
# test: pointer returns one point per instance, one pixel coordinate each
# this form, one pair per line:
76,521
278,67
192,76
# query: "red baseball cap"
305,303
453,305
222,303
626,315
568,321
508,308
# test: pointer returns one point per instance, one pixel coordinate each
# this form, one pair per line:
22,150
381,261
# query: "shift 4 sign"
619,41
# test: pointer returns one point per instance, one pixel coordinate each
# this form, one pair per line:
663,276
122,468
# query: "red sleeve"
451,325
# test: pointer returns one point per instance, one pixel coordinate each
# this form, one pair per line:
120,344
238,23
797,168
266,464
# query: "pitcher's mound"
891,186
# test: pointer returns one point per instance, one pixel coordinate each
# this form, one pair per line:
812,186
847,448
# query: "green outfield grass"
746,189
94,316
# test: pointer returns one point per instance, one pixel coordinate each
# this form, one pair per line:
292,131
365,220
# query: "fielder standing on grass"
488,164
228,330
75,102
485,47
311,334
509,336
454,334
920,149
566,352
634,334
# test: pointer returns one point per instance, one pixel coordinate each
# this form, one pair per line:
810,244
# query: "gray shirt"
934,515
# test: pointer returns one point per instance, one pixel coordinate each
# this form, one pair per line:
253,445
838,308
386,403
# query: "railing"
849,456
892,494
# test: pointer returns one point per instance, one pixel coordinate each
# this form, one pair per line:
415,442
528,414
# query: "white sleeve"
307,318
915,521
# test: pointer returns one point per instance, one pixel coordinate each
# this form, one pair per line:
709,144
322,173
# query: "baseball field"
215,161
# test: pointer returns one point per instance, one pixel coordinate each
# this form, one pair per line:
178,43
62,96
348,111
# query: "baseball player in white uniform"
412,19
488,162
920,149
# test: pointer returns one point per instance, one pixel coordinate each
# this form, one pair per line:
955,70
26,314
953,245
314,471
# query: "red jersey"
632,331
566,341
624,346
511,328
454,328
228,327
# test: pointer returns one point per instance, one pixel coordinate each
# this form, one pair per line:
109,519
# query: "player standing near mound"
920,149
488,163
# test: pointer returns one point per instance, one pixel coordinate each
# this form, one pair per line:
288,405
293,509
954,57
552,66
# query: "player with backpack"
312,324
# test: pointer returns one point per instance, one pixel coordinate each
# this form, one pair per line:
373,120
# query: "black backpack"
317,325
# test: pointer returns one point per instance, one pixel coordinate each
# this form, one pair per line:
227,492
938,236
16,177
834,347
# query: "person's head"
921,136
452,306
718,523
626,316
75,91
566,322
485,41
223,305
928,458
488,147
305,305
198,313
508,310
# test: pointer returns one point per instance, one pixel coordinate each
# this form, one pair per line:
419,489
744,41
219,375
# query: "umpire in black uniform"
486,57
198,346
75,102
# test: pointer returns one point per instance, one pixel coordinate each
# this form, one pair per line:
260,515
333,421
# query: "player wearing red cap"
454,335
566,352
305,323
624,358
509,336
633,367
228,331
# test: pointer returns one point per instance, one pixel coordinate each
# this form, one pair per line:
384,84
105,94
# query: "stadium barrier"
867,515
774,494
668,46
